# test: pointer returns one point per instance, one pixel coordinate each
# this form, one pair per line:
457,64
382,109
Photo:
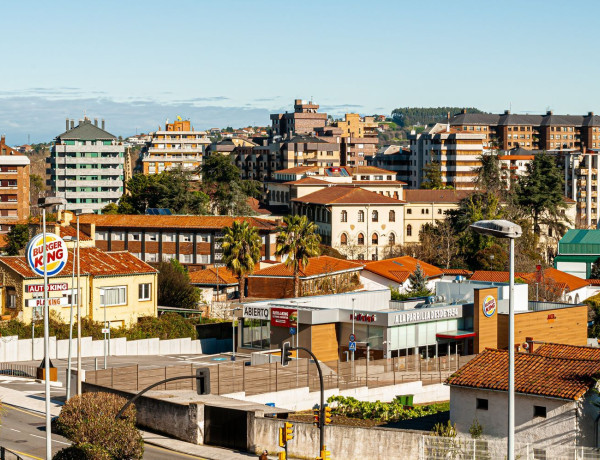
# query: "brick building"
193,240
14,186
305,119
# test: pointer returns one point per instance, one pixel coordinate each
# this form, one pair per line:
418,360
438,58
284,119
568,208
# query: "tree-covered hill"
411,116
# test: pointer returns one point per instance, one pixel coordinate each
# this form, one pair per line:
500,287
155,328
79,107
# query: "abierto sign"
263,313
56,254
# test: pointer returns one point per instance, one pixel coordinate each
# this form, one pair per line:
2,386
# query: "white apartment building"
86,166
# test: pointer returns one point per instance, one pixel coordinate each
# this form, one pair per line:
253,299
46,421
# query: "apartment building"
195,241
359,223
14,186
177,146
357,136
393,158
541,132
303,180
305,119
86,166
456,151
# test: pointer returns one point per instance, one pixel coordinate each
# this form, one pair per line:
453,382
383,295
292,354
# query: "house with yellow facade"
115,284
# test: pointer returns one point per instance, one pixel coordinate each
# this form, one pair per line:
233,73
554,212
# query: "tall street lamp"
506,229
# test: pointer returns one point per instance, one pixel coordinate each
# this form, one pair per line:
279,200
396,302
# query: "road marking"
18,431
172,451
27,455
9,406
53,440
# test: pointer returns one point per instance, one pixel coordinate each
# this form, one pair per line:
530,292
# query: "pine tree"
417,281
432,176
595,271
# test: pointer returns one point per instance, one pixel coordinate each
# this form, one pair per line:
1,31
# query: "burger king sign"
56,254
489,306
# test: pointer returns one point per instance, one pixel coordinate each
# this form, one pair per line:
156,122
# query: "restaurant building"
462,317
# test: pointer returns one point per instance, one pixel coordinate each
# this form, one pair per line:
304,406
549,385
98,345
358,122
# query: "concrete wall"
12,349
302,399
344,442
559,427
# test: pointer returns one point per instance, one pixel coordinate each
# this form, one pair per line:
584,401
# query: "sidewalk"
35,402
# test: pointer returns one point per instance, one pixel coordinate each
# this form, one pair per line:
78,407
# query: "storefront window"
256,334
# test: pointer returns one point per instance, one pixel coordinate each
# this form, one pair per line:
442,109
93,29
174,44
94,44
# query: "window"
135,236
392,239
375,239
361,239
152,236
539,454
361,257
361,216
375,216
144,291
409,230
392,216
344,217
482,404
118,236
422,211
409,211
113,296
185,237
11,299
539,411
344,239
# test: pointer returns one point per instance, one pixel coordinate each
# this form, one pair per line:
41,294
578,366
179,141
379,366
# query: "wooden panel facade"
486,326
324,342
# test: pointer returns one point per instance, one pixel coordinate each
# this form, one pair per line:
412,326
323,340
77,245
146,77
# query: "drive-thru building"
461,317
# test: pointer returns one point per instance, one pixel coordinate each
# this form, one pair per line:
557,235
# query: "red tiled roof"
358,170
593,282
558,350
378,182
93,262
72,232
534,374
209,276
297,170
3,241
342,194
515,157
399,268
308,181
322,265
456,271
562,280
435,196
171,222
257,207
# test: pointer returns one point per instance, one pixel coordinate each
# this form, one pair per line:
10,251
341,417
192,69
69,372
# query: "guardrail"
7,454
17,370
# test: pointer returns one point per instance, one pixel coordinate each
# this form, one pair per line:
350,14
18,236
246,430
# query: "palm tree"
241,251
298,240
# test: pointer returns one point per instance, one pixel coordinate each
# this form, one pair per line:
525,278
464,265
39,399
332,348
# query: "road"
24,433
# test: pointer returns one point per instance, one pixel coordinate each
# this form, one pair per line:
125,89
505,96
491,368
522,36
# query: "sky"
233,62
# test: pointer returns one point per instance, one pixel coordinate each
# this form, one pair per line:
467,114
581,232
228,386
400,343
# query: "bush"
82,452
89,419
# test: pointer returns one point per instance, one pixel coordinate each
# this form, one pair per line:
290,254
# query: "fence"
6,454
18,370
238,376
434,448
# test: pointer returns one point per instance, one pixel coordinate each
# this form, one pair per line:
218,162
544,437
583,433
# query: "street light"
233,310
510,230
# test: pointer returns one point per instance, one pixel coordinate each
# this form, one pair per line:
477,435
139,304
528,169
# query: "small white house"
555,398
396,272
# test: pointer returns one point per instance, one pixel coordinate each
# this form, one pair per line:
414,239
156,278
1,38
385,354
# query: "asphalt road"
24,433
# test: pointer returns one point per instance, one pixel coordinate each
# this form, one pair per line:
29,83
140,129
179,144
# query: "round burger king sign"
489,306
56,254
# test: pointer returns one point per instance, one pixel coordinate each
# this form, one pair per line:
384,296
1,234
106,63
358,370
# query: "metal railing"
7,454
17,370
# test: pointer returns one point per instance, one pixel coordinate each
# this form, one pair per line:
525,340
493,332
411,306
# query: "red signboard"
51,287
284,317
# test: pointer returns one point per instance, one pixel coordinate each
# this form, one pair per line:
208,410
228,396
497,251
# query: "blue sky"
136,63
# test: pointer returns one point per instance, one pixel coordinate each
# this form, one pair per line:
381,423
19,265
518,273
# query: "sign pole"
78,314
71,327
46,343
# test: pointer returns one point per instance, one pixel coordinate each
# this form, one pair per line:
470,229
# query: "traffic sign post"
293,331
352,338
352,346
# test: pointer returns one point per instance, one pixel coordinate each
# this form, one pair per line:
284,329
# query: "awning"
455,335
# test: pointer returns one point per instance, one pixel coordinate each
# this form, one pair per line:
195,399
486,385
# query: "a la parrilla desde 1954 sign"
56,254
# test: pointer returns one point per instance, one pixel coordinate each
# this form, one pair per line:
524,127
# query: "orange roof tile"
72,232
322,265
495,276
456,271
3,240
308,181
534,374
209,276
257,207
358,170
559,350
562,280
93,262
435,196
399,268
171,222
342,194
593,282
515,157
297,170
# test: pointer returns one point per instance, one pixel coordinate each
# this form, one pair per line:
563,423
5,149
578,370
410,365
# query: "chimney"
549,112
103,123
583,148
448,122
463,111
67,125
95,122
590,114
507,112
72,124
529,342
2,140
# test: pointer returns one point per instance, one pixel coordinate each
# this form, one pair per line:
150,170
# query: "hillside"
420,116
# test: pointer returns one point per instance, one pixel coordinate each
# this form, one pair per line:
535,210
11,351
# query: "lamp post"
510,230
233,310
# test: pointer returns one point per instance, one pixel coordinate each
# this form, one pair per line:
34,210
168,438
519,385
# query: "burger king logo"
489,306
56,254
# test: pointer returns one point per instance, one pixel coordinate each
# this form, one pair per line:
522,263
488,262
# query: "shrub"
82,452
90,419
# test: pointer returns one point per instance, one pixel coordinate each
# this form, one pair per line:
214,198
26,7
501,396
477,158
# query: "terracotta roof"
209,276
534,374
322,265
358,170
558,350
456,271
171,222
257,207
593,282
309,181
297,170
342,194
3,240
399,268
559,277
378,182
72,232
435,196
515,157
93,262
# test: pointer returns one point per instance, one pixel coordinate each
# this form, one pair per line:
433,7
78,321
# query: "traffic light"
286,353
281,437
325,454
317,416
203,381
289,432
327,415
